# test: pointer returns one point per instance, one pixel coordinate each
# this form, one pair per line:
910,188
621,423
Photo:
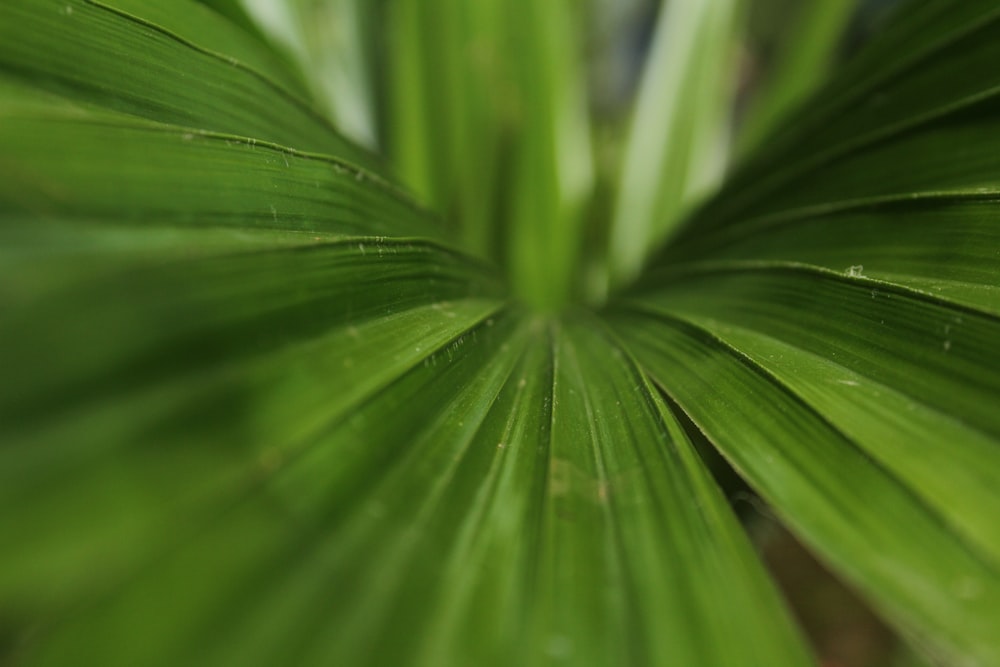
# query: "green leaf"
804,57
214,425
488,94
57,162
260,407
677,145
332,42
235,12
184,65
253,393
941,245
830,325
304,544
887,406
868,135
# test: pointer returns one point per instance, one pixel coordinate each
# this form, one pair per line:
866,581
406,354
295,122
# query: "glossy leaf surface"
262,407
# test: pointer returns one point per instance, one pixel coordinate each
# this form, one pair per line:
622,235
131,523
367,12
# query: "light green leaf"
331,40
235,12
678,144
488,93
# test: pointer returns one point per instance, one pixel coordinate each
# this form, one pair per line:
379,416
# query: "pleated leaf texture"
261,404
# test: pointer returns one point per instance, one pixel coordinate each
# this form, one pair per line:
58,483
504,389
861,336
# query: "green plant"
261,407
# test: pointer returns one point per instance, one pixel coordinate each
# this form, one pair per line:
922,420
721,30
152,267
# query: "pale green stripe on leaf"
331,41
676,148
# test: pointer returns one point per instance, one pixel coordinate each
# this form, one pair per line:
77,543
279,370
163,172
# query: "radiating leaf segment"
263,406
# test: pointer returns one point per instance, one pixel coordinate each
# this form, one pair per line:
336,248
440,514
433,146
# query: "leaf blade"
785,404
194,86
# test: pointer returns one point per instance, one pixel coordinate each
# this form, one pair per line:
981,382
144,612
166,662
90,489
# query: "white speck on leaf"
855,271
